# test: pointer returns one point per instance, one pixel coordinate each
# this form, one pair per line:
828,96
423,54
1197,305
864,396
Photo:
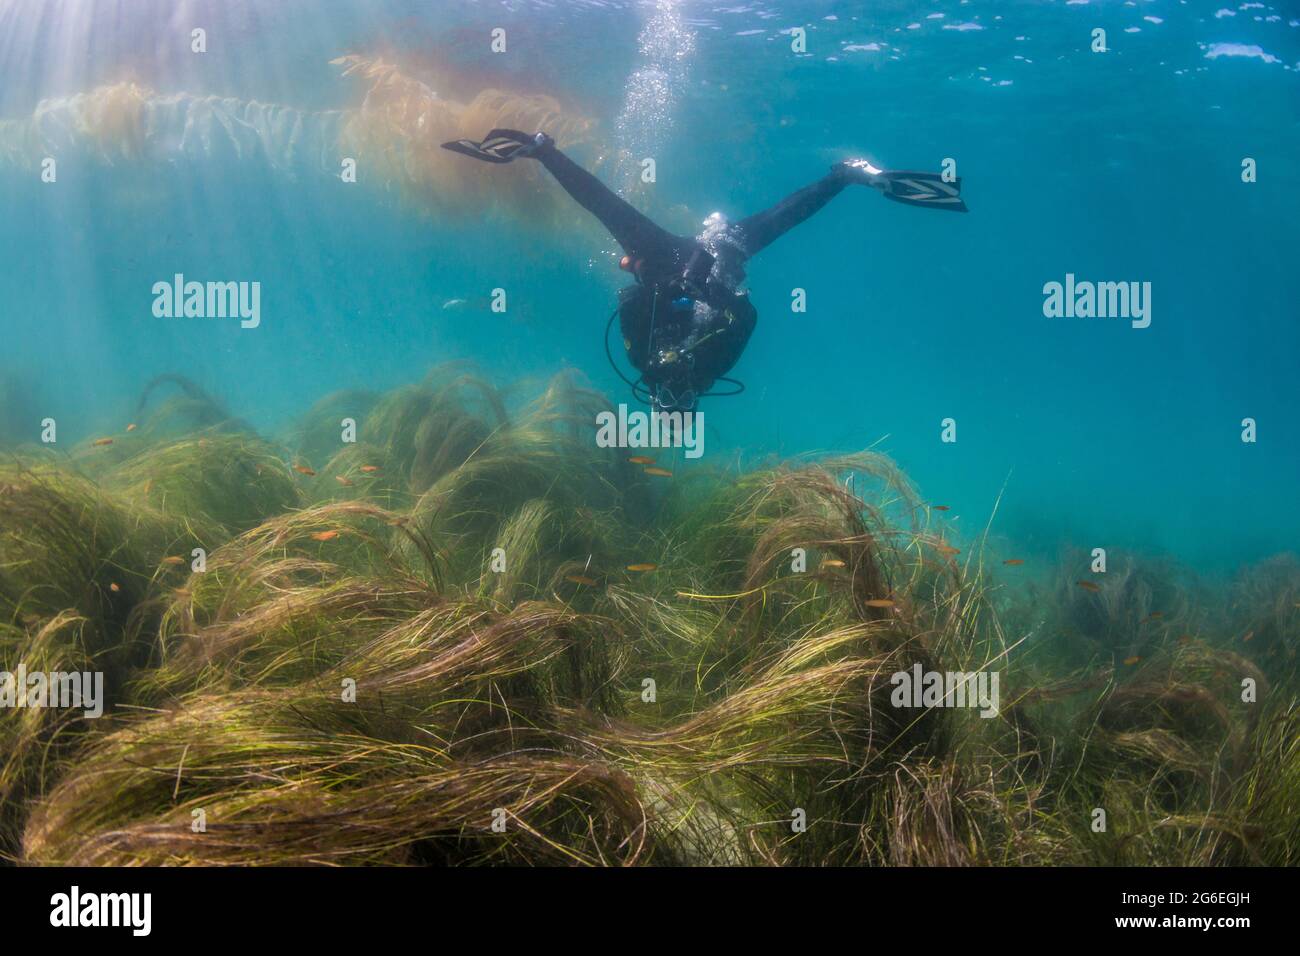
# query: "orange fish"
1185,639
1155,615
148,486
642,567
832,563
325,535
173,559
345,482
662,472
1247,636
947,549
641,460
580,579
368,469
113,587
880,602
1014,562
940,507
1089,586
303,470
101,442
1130,661
131,427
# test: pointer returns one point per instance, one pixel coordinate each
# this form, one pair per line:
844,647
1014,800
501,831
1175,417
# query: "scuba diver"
685,322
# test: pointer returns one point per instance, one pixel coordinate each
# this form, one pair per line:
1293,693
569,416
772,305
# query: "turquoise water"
1117,166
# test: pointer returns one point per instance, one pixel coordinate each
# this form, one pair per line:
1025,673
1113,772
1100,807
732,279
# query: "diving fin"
499,146
921,189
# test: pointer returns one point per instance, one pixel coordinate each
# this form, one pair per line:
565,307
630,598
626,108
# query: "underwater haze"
942,454
1122,166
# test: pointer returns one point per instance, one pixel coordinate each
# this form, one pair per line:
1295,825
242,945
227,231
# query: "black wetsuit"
684,323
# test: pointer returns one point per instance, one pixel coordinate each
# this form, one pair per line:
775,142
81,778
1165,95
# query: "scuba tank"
676,327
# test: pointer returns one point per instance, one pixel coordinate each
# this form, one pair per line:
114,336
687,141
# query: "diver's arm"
635,232
918,189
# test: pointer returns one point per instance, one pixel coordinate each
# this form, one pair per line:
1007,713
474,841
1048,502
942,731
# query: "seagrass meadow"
472,637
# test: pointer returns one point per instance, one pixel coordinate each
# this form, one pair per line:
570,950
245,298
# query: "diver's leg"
912,188
762,229
635,232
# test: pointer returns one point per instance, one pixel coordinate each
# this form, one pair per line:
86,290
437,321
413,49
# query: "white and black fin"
922,189
499,146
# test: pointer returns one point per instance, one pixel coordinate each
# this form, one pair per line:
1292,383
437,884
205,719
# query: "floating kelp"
393,135
402,122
